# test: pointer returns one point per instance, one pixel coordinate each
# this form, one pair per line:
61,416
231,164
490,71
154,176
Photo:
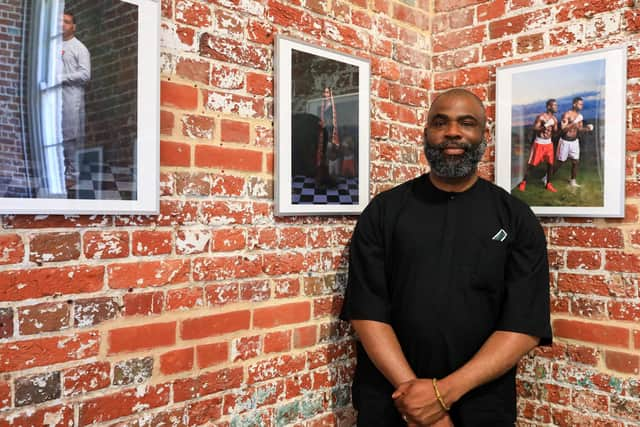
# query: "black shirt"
446,270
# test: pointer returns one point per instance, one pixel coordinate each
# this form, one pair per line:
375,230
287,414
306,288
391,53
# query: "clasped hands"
417,402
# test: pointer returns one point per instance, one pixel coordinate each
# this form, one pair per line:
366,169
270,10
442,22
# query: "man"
448,287
544,127
569,144
75,74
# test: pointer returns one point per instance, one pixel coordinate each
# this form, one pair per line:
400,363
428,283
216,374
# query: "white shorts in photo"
568,150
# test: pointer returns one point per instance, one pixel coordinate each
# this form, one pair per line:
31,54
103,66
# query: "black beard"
454,167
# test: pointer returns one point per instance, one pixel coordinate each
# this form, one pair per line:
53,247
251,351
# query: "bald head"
457,93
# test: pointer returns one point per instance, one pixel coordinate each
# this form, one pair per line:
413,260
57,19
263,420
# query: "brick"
281,366
128,402
175,361
226,185
591,332
283,263
620,310
589,237
133,371
143,304
37,388
457,39
588,308
46,317
55,221
260,32
62,414
498,50
134,338
6,322
214,325
185,298
620,261
448,5
530,43
149,273
212,354
90,312
304,336
233,51
52,247
174,154
85,378
192,241
11,249
245,348
517,24
492,10
17,285
178,96
284,314
197,126
255,396
47,351
5,395
222,268
260,84
286,288
228,158
327,306
105,244
277,342
202,411
208,383
193,13
222,294
193,69
584,260
234,131
151,242
256,290
622,362
583,284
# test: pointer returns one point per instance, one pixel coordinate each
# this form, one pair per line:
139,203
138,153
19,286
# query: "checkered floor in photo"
304,191
104,182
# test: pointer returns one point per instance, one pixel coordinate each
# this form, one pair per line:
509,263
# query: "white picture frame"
144,147
522,93
320,168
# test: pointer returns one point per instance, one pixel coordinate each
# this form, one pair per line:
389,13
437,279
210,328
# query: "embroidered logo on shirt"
500,236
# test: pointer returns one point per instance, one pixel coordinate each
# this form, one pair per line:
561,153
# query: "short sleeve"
526,304
367,295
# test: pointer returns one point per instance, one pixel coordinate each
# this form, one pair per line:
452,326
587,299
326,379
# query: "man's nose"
453,130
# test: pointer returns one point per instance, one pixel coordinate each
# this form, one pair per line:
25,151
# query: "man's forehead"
457,104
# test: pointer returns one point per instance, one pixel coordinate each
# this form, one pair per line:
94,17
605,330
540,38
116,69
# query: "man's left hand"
416,400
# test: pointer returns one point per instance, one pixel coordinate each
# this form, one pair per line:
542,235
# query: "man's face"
578,105
68,27
553,107
327,92
454,141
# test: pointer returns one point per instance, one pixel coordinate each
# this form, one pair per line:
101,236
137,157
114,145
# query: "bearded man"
448,287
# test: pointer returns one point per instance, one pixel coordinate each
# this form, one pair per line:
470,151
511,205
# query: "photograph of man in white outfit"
76,73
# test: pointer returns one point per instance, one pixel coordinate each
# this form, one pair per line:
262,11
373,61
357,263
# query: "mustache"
451,144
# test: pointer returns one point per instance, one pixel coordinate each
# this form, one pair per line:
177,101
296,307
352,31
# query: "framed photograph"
322,130
560,133
81,131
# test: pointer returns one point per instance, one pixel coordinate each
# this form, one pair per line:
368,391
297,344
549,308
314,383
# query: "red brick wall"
213,311
589,377
13,180
217,311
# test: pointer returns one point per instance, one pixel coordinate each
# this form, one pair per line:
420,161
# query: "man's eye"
438,123
468,123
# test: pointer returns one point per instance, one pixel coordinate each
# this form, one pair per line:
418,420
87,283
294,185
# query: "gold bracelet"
438,396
